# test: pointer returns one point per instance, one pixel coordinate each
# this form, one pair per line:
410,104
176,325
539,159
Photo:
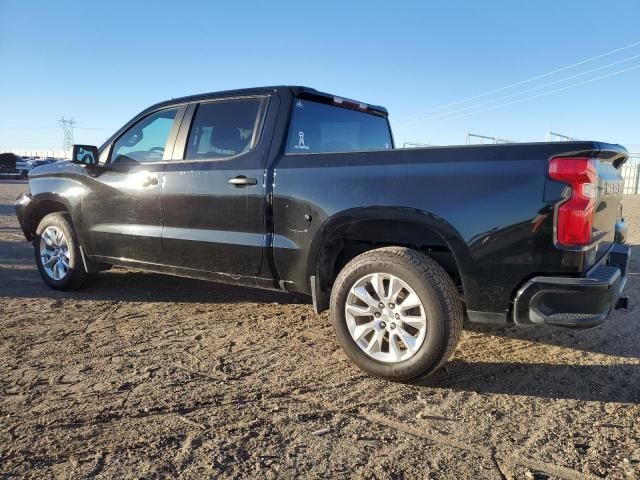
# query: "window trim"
180,147
293,109
171,138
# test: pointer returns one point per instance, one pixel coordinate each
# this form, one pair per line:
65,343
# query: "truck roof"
296,90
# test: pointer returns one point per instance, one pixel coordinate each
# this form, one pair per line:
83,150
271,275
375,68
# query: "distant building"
34,152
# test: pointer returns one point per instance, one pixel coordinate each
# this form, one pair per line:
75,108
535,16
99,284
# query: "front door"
122,216
214,194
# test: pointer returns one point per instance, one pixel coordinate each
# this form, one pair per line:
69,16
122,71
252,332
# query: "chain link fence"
631,175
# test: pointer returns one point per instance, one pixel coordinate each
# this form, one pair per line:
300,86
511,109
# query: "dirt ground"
143,375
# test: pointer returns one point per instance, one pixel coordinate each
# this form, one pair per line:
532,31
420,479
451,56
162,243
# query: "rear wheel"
396,313
57,253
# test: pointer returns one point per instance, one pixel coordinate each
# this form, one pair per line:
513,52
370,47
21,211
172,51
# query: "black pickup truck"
289,188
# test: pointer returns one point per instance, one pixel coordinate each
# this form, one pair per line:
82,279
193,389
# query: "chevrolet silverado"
293,189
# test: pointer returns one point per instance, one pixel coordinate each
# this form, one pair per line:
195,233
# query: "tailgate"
591,200
608,210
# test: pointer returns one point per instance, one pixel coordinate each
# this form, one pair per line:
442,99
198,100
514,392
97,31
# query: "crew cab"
293,189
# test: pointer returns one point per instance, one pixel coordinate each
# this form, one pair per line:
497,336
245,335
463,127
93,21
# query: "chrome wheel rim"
386,318
54,253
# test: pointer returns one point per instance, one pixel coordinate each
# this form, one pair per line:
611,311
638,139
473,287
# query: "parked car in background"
49,159
23,166
36,162
293,189
8,163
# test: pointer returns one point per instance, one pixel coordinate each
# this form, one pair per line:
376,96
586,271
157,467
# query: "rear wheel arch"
356,231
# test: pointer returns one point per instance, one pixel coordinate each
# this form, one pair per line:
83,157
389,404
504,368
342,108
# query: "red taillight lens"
575,216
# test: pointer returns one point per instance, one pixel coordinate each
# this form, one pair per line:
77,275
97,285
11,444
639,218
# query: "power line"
54,128
537,77
619,72
40,146
28,128
522,92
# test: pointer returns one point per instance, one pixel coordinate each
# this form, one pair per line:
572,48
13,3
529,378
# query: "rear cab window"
323,128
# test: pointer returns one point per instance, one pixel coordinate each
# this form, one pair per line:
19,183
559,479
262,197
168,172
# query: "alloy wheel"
54,253
385,317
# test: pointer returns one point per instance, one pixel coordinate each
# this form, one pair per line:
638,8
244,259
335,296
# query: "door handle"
149,181
242,181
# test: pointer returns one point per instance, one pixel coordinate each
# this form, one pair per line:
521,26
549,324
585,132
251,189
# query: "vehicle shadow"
23,281
619,336
19,278
7,209
601,383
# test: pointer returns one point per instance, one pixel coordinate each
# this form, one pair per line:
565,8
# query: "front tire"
57,253
396,313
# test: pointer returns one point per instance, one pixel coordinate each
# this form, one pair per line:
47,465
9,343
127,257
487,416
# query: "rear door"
213,195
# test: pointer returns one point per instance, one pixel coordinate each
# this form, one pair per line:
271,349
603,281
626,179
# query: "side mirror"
85,154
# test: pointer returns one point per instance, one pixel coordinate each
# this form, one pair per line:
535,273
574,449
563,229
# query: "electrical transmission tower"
67,132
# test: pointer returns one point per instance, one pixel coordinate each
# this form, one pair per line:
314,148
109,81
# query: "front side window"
145,141
318,127
223,128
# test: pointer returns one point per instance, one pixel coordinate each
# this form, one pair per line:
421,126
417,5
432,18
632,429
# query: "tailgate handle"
242,181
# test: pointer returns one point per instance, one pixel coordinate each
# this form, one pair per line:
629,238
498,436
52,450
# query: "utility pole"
67,133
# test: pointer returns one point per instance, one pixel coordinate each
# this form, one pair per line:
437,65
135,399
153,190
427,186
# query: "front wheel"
396,313
58,254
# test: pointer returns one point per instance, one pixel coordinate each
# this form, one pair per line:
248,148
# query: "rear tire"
401,342
57,253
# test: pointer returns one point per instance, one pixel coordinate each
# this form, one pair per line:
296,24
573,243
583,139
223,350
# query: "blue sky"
102,62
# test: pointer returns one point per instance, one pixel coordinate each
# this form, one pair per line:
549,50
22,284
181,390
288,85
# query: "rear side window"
317,127
223,129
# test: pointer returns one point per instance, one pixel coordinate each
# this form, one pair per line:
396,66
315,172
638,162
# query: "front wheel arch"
39,209
76,274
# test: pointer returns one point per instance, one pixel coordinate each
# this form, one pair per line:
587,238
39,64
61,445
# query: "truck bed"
487,210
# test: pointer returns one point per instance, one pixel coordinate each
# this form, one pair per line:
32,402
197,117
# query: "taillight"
575,216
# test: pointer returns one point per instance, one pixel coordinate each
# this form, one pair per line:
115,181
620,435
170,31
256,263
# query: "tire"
440,306
75,276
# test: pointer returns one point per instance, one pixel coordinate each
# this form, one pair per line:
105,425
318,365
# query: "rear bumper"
574,302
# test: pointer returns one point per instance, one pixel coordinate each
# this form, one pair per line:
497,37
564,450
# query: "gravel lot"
143,375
